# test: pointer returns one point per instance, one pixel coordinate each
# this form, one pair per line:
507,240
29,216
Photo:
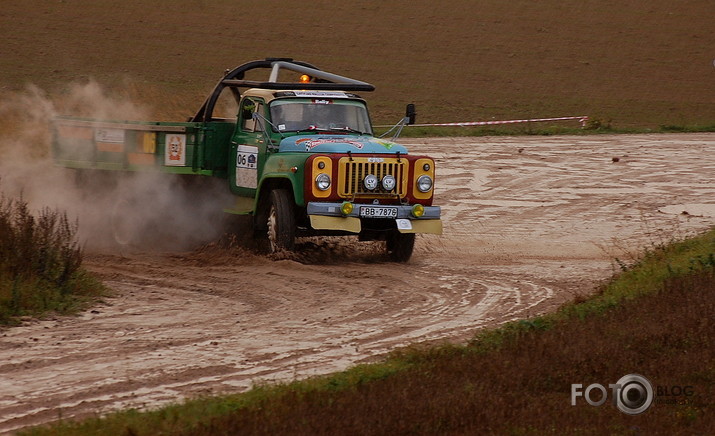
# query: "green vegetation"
40,263
653,319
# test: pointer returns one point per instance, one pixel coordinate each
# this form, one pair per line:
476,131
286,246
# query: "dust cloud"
147,210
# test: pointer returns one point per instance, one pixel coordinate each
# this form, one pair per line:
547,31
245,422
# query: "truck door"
248,148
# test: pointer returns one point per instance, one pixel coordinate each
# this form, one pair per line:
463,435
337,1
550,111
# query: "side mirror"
410,113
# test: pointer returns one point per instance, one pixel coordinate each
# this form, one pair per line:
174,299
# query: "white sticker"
403,224
281,126
321,94
113,136
247,166
175,150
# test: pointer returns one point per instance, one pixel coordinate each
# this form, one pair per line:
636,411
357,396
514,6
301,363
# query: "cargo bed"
176,148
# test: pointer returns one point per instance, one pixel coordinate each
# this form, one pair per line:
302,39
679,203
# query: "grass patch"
670,128
653,319
40,264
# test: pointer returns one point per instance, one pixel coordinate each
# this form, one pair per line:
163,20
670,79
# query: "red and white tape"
583,120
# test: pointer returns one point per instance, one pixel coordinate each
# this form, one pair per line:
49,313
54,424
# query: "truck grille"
352,172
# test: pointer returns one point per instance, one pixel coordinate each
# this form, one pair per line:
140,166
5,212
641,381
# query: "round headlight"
322,181
388,182
370,182
424,183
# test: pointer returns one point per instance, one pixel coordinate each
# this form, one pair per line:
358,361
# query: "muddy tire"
400,246
280,222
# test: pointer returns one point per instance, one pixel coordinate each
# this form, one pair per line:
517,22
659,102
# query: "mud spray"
148,210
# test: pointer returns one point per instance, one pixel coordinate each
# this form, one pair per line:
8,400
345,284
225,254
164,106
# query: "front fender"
285,168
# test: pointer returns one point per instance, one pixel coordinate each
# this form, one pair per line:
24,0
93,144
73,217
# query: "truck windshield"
294,114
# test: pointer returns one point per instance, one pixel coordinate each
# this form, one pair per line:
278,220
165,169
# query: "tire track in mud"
530,223
150,348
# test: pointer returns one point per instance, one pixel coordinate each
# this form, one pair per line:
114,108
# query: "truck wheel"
281,221
400,245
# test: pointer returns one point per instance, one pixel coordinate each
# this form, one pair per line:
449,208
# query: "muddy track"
530,223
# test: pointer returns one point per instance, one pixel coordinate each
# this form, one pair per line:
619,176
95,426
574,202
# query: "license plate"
378,212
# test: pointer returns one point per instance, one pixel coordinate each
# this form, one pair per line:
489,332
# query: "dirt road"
530,222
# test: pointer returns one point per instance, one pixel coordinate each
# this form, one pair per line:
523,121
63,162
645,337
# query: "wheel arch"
270,183
263,195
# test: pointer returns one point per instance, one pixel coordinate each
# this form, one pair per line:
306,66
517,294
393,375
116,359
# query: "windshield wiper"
310,129
346,129
330,129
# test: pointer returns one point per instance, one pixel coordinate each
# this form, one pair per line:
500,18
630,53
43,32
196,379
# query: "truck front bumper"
328,216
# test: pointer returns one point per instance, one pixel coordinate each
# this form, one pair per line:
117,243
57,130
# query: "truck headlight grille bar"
353,172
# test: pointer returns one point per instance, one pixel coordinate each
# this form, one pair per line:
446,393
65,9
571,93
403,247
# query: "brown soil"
530,223
630,63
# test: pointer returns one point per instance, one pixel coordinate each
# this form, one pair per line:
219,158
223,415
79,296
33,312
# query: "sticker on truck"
247,166
109,139
175,150
321,94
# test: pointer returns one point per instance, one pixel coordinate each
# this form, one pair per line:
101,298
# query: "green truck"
299,157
